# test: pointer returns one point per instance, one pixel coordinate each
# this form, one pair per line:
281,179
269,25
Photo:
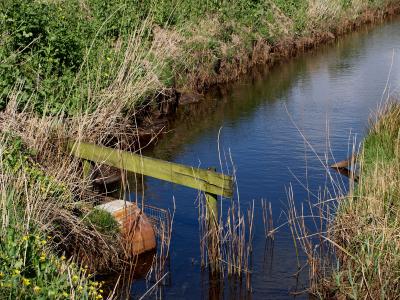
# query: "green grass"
367,223
61,50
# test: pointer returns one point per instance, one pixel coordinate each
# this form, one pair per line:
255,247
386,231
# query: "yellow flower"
26,281
101,291
42,257
1,274
63,257
99,297
36,289
43,242
65,294
25,238
80,288
17,272
75,278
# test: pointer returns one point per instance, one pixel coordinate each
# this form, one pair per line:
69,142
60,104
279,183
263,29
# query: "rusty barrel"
136,229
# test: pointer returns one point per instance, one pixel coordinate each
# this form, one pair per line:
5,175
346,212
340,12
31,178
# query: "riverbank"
366,225
357,253
72,56
98,111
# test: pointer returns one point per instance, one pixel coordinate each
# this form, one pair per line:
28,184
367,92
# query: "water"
327,94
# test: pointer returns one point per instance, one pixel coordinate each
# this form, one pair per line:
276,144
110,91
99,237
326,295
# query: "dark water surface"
328,94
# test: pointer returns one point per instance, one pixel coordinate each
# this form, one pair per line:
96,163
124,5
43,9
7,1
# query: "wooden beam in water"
204,180
342,167
345,163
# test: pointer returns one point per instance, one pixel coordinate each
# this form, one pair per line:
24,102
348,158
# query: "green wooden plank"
204,180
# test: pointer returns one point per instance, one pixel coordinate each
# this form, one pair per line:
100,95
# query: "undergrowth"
29,266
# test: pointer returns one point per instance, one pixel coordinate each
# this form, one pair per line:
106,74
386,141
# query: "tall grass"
367,222
226,242
33,146
353,252
47,45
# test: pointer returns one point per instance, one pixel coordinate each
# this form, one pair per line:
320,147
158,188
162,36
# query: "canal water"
325,96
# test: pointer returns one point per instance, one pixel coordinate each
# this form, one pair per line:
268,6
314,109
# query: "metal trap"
161,220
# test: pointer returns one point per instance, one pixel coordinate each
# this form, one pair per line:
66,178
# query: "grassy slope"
64,53
367,223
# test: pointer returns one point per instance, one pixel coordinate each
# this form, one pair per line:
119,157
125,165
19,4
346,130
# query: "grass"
103,221
29,267
353,252
61,52
368,222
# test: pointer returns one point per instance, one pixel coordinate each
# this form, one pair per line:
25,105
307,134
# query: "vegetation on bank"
63,54
29,267
355,253
367,224
86,69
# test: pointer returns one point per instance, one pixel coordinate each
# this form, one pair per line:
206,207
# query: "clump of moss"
103,222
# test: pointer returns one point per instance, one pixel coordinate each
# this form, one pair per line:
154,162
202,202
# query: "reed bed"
268,220
226,243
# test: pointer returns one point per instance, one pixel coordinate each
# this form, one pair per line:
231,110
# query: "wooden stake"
212,220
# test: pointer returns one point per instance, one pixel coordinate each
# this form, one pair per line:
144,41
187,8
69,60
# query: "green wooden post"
212,208
212,205
203,180
212,223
